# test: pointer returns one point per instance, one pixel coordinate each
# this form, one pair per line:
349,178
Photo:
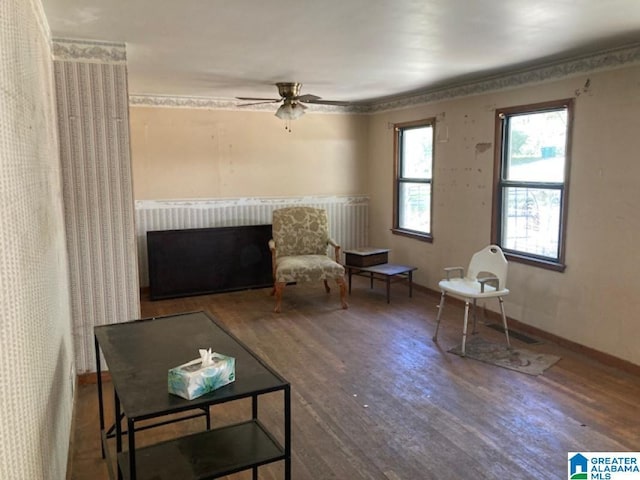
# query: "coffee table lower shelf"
206,455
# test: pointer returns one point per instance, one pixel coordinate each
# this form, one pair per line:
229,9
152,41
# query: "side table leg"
410,284
371,280
388,288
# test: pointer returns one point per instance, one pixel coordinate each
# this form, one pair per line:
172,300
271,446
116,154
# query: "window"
532,180
413,150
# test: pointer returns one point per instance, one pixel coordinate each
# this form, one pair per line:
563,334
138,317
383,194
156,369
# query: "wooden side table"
366,256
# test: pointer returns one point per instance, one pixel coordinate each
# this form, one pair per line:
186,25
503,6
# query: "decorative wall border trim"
600,61
88,51
247,201
227,104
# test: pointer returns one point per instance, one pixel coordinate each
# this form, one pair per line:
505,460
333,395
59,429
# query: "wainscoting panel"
348,217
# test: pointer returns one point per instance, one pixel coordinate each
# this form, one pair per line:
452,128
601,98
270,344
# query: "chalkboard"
198,261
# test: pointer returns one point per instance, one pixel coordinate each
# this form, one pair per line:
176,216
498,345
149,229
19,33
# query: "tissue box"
192,380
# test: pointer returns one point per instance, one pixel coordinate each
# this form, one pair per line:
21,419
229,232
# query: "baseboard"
92,378
604,358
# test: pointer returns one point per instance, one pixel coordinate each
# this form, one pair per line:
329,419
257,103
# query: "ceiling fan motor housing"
288,89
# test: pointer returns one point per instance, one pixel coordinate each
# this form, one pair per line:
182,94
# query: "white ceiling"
353,50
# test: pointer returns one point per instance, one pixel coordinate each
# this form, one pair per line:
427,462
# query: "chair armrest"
336,248
450,270
488,280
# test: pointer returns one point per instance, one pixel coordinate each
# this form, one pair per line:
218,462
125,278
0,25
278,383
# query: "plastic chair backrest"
490,259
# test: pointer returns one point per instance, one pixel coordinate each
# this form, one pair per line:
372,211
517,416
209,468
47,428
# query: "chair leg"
439,316
504,322
343,292
278,287
464,328
475,316
326,286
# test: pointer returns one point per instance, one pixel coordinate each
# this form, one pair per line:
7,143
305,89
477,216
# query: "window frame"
398,129
499,182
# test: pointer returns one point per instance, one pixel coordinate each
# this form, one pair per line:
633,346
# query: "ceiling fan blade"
263,99
307,98
258,103
337,103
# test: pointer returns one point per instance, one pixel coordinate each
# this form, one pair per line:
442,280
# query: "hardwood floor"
374,398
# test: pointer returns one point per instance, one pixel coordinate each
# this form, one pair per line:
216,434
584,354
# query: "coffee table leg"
287,432
350,272
100,399
131,432
116,401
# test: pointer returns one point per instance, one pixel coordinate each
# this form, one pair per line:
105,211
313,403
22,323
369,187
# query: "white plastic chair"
486,278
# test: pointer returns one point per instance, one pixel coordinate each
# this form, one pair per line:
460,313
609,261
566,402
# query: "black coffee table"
139,355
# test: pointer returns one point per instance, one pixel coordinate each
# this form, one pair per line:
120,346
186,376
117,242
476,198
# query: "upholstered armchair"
300,239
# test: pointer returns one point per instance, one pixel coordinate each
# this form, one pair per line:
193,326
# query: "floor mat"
518,359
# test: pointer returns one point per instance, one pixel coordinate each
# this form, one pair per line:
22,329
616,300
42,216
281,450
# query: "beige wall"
201,153
595,301
36,348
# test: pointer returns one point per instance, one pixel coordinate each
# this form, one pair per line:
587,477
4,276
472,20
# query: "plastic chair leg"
439,316
475,316
504,322
464,328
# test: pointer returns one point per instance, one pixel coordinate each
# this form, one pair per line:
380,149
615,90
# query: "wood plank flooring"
374,398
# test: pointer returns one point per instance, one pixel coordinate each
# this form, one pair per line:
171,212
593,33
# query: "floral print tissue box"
202,375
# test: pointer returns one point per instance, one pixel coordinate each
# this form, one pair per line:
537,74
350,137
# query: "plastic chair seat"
468,288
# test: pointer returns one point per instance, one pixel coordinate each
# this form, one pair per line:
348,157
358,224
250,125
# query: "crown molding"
89,51
601,61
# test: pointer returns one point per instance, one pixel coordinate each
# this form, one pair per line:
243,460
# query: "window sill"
423,237
535,262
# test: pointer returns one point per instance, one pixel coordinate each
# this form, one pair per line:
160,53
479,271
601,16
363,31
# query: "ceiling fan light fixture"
290,111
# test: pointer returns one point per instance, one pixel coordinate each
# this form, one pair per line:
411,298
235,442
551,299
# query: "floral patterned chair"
300,238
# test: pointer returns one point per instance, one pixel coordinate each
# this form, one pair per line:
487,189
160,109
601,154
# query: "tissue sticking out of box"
206,357
202,375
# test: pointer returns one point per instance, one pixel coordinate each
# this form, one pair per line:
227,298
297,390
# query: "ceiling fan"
292,102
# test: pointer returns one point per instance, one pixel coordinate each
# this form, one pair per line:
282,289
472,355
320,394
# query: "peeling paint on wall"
483,147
